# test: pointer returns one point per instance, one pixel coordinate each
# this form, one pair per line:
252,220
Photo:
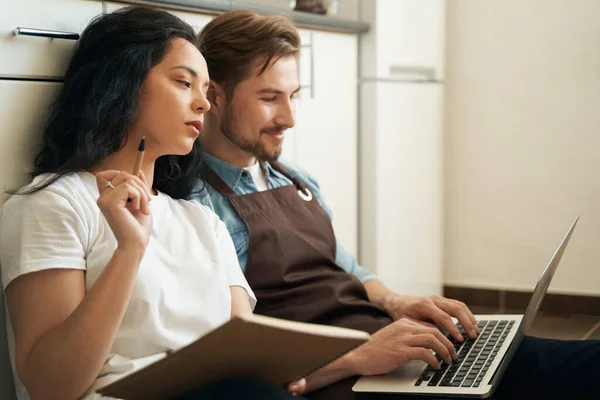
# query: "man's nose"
287,115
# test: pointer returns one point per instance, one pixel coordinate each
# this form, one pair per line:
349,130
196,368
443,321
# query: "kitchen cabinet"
196,20
23,56
324,140
401,185
401,143
407,39
23,111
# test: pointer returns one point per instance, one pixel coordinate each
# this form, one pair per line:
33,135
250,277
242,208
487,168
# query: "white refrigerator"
400,144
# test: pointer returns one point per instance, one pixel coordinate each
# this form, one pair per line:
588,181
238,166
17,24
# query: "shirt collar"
231,174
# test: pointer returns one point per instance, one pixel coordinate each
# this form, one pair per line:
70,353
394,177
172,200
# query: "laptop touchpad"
403,375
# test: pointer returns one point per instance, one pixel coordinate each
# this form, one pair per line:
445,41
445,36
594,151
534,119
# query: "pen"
138,160
139,157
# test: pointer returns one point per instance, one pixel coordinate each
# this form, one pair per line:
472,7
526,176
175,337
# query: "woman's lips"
195,126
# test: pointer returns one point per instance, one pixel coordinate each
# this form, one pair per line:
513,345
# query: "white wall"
522,142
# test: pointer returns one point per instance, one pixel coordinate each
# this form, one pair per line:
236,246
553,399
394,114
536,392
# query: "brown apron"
291,264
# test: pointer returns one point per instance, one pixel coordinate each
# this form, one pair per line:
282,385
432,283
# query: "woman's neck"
124,160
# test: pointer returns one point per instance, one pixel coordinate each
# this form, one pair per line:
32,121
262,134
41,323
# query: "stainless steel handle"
312,66
45,33
311,53
413,72
304,46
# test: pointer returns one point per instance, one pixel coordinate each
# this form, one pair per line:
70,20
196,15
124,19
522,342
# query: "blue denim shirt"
242,183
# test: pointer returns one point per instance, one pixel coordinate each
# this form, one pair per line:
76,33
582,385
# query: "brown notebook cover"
256,346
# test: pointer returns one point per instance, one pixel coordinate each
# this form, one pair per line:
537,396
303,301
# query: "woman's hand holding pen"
130,221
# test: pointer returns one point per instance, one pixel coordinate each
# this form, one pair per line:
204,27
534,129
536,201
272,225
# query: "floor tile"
572,327
595,334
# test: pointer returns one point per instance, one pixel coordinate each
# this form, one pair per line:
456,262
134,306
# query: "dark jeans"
541,369
552,369
240,388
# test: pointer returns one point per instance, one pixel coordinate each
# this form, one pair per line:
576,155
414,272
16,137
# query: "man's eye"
185,83
268,99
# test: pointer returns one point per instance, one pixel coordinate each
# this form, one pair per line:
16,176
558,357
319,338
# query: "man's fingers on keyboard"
445,321
470,328
468,315
421,353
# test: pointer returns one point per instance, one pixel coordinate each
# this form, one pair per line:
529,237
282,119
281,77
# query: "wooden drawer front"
24,56
196,20
24,108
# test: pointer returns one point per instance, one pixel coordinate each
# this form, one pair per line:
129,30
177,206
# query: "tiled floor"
558,326
564,327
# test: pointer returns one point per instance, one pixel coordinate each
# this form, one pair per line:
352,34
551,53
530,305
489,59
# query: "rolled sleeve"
347,261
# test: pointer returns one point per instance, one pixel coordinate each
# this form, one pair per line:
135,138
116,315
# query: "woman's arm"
62,335
240,304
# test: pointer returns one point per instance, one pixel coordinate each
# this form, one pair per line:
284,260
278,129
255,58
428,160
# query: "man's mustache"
274,129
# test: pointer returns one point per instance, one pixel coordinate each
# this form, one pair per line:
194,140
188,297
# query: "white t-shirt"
182,288
258,176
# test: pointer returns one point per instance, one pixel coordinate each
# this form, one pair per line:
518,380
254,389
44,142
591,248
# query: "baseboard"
513,301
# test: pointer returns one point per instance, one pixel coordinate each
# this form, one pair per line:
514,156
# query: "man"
281,226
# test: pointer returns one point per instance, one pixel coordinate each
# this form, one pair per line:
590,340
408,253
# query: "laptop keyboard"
474,357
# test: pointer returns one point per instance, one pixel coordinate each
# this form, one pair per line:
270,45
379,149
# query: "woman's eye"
185,83
268,99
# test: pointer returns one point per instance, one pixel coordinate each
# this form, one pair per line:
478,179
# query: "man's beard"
250,146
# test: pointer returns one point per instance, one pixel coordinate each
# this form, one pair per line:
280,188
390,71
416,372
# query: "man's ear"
216,97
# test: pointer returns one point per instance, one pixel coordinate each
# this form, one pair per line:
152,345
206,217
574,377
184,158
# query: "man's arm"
394,345
379,293
345,260
435,309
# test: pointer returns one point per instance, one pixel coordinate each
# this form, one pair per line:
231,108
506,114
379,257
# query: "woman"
104,270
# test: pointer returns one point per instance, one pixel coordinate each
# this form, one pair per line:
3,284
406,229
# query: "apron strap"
220,186
277,166
216,182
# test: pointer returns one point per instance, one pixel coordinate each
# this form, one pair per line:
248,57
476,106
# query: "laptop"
481,362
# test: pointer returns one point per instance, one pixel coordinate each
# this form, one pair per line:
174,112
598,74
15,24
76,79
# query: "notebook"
254,346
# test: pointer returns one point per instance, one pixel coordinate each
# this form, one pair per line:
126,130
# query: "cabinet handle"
312,66
411,71
45,33
311,53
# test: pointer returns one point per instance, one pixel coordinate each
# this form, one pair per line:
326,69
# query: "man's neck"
218,145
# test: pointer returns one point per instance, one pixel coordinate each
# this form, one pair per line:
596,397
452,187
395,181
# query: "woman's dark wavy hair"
99,100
